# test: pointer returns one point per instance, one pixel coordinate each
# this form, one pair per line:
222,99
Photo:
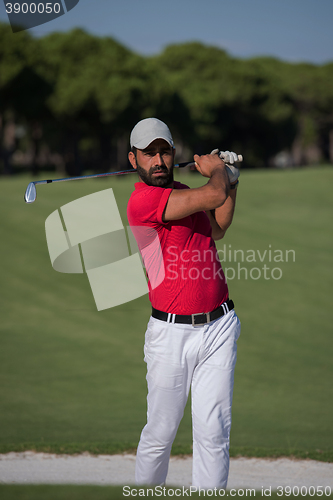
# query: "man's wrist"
234,185
218,169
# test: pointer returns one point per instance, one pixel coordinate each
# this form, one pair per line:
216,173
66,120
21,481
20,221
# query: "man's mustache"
162,168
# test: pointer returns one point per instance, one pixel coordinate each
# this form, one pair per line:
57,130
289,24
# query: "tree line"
68,101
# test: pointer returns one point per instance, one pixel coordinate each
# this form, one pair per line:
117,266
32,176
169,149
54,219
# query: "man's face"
155,163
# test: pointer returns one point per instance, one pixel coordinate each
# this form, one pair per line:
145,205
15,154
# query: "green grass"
73,378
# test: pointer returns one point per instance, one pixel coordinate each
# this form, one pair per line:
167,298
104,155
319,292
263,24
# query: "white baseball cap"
147,130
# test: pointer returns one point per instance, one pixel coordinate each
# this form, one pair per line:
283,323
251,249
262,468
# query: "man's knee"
161,433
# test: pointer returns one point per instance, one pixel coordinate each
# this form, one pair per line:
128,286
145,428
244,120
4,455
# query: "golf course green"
73,378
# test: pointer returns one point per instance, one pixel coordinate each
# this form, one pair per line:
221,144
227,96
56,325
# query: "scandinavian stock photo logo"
252,263
25,14
87,236
236,263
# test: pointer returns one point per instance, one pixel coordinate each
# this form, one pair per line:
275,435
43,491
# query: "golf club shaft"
93,176
107,174
31,194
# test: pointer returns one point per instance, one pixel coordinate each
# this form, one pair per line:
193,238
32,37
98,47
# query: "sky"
291,30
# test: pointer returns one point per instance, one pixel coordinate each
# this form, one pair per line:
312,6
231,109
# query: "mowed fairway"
73,378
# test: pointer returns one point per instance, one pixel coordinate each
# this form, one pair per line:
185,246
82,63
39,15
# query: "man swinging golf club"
191,336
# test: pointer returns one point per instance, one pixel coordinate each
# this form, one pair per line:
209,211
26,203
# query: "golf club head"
31,193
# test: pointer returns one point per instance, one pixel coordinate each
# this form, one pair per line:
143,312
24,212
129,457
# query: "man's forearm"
224,214
220,185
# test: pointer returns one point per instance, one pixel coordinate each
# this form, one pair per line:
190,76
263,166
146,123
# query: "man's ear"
132,159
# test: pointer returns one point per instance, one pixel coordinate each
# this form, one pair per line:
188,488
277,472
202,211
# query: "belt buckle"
200,314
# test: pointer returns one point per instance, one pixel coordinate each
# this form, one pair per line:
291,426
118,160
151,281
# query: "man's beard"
160,181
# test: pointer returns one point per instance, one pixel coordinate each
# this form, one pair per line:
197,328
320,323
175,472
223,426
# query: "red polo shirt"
184,271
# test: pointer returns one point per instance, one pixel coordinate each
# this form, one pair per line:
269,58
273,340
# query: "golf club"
31,192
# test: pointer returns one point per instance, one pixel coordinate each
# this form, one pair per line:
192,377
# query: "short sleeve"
147,204
162,205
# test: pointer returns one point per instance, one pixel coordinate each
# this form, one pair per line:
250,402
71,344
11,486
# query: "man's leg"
212,389
170,354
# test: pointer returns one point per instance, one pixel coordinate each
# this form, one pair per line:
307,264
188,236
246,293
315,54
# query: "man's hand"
229,157
206,164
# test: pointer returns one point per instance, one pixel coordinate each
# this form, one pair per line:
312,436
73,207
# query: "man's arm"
221,217
212,195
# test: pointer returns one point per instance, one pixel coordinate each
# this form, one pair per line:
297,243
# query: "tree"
23,92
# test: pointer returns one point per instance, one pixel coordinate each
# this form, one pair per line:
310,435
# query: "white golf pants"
179,357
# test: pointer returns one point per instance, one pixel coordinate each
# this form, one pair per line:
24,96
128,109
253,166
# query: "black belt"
194,319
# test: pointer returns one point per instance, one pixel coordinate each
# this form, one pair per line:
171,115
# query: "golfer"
191,336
